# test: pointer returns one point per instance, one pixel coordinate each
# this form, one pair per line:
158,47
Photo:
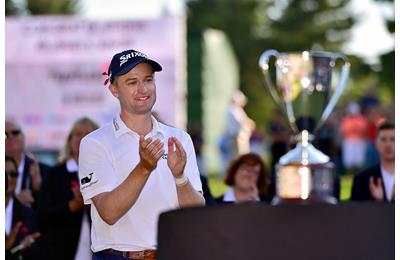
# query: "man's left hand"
176,157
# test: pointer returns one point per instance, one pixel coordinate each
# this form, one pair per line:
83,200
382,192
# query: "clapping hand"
176,157
254,193
34,172
150,152
376,189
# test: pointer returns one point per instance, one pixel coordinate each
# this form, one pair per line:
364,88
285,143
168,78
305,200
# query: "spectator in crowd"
196,134
247,180
20,223
197,139
63,217
239,128
30,171
209,198
279,135
353,129
377,183
374,119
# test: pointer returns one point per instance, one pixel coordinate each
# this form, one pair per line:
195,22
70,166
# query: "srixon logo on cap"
126,57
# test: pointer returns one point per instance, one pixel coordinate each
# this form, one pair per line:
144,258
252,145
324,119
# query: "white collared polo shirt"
106,158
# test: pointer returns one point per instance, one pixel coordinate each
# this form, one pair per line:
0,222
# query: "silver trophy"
305,93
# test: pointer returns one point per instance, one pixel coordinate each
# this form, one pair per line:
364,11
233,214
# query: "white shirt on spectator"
388,183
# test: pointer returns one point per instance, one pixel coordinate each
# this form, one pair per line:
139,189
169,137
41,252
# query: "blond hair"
66,152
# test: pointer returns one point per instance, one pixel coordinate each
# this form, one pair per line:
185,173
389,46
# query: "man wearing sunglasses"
20,221
30,171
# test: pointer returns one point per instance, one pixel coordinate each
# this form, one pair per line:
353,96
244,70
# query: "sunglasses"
14,132
13,174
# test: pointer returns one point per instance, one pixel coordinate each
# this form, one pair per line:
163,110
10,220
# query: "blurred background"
56,51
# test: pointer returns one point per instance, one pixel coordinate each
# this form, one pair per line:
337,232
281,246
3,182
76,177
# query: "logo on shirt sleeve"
88,181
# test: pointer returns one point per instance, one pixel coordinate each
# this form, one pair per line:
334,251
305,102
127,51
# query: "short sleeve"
95,169
191,168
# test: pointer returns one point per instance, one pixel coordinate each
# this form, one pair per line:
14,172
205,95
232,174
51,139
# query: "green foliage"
387,60
42,7
387,74
304,25
346,182
10,8
52,7
194,63
217,186
256,25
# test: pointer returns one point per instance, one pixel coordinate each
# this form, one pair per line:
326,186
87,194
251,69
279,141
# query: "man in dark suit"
20,222
30,171
377,183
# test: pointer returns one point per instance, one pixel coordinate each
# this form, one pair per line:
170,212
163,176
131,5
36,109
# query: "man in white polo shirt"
134,168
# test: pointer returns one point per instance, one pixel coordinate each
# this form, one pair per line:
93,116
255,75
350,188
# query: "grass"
218,187
346,181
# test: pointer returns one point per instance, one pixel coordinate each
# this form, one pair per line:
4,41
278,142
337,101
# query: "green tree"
43,7
53,7
10,8
256,25
237,19
304,25
387,60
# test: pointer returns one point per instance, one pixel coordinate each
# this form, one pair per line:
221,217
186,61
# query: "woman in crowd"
63,217
247,180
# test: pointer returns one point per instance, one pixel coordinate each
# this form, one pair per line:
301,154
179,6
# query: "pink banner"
54,65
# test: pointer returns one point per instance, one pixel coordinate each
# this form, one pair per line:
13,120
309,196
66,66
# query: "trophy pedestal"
323,200
305,184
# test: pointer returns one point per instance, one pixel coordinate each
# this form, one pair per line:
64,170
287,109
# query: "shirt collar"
120,128
229,195
21,166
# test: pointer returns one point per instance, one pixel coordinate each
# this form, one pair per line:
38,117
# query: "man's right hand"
376,189
150,152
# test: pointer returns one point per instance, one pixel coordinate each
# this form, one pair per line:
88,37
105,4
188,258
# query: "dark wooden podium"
258,231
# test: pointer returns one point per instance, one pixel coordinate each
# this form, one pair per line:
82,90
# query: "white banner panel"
54,66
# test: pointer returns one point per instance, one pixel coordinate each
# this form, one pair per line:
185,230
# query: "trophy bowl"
304,92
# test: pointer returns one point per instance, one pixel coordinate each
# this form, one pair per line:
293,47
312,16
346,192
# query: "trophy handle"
263,63
338,91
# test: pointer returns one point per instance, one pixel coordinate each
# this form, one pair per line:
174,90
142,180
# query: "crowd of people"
40,220
103,198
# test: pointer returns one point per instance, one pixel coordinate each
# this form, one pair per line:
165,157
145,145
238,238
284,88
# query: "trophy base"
311,200
305,184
